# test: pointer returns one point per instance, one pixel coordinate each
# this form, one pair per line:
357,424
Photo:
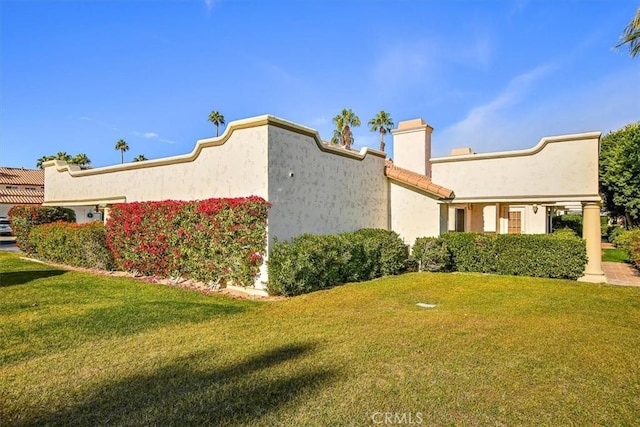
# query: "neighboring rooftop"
21,197
21,176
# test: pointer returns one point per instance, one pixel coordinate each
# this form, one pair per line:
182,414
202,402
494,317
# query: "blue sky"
76,76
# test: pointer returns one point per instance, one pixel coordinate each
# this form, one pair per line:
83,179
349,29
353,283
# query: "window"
515,222
460,219
11,187
30,188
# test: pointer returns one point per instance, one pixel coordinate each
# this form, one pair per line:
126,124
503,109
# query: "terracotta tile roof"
21,197
21,176
416,180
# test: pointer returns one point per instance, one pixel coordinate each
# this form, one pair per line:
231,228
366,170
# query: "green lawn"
614,255
79,349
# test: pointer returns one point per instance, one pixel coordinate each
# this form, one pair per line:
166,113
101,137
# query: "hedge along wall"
217,241
541,255
24,218
311,262
80,245
560,255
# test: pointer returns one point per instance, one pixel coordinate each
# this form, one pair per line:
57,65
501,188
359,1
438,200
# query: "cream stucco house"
316,187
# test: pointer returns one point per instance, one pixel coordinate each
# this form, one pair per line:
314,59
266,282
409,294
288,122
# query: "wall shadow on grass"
14,278
184,394
54,334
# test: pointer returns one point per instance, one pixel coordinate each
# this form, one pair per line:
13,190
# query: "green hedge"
24,218
629,241
572,221
432,254
561,255
311,262
472,252
80,245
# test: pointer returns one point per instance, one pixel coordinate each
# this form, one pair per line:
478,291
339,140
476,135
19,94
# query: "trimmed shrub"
629,241
560,256
472,252
80,245
565,232
217,241
431,254
307,263
24,218
572,221
384,252
311,262
614,232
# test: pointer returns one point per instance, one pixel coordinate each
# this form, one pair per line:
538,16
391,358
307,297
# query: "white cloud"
425,64
508,123
480,122
150,135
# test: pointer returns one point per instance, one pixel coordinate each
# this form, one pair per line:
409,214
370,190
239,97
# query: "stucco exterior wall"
4,209
557,169
413,214
322,192
236,167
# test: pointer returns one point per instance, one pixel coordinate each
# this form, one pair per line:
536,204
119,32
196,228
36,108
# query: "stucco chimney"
412,146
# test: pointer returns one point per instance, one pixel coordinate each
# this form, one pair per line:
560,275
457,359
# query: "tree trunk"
381,139
347,137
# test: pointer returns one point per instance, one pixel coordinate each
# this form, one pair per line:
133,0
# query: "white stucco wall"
557,169
234,165
412,146
313,190
413,214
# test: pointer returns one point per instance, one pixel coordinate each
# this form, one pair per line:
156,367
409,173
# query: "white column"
591,233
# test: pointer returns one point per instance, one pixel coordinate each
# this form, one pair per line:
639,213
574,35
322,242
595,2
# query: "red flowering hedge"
216,241
80,245
24,218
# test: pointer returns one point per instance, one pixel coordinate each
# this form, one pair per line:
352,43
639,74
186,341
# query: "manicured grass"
614,255
79,349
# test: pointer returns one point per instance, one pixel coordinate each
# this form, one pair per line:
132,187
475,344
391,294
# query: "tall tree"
631,35
122,146
217,119
81,160
344,122
620,172
139,158
337,132
382,123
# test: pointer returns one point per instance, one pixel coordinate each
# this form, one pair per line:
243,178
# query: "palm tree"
631,35
81,160
140,158
337,132
382,123
217,119
344,121
62,155
43,159
122,146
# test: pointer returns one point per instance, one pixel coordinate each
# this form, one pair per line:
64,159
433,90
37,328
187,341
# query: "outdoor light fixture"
535,209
